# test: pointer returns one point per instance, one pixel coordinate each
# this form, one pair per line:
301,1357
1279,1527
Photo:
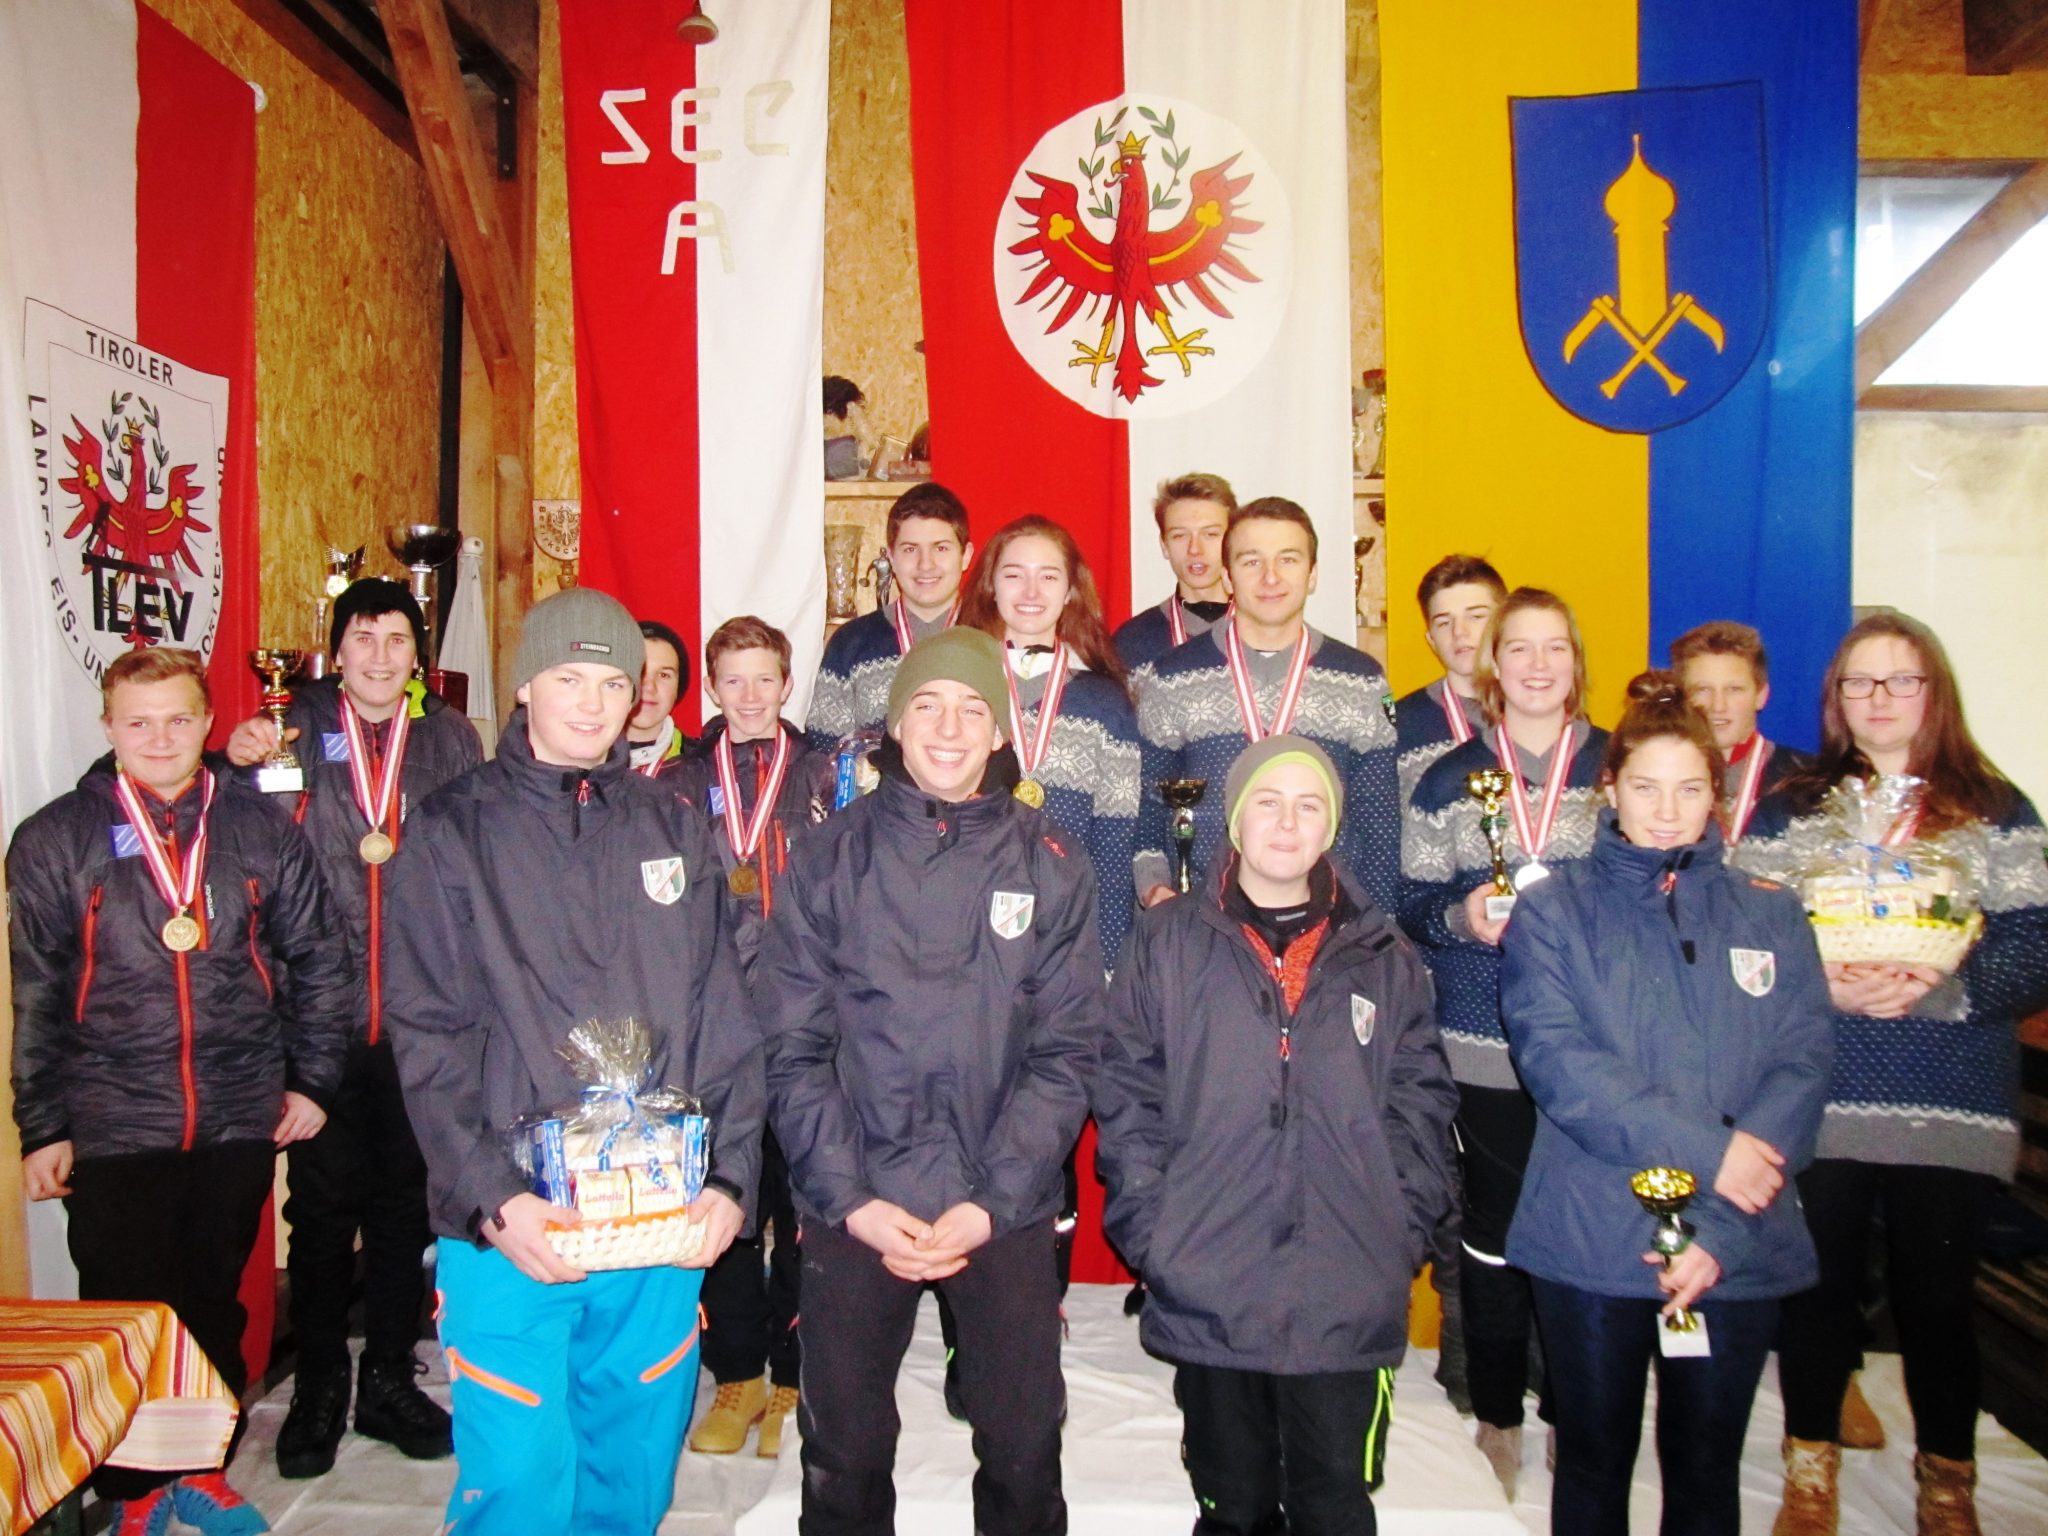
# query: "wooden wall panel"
555,475
348,321
1362,111
1918,103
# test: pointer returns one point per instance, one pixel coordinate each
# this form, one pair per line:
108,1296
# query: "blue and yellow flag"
1618,240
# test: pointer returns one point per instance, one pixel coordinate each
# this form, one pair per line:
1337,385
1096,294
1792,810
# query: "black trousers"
174,1227
363,1172
1269,1455
1933,1226
858,1320
750,1309
1495,1128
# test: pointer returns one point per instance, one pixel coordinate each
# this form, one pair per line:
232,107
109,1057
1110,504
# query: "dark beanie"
958,655
371,598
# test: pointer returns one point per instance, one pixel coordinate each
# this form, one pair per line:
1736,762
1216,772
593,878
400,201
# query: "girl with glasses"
1920,1120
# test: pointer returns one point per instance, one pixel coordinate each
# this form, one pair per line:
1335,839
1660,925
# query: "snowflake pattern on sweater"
1090,776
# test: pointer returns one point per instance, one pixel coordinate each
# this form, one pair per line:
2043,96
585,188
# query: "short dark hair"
1458,571
654,629
1272,509
745,633
160,665
1195,487
928,499
1723,637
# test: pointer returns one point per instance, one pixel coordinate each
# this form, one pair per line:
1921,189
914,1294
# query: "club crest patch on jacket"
1364,1014
663,879
1756,970
1009,913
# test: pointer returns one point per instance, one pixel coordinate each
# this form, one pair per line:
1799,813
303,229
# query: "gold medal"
743,881
1031,792
376,848
181,933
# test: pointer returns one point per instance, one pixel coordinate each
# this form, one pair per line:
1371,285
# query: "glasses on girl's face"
1900,685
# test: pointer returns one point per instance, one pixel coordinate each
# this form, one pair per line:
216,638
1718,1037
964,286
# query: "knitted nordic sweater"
852,690
1939,1087
1145,637
1444,856
1189,722
1422,734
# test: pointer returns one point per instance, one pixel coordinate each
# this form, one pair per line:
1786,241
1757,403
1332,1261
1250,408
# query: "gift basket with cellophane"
1878,892
629,1156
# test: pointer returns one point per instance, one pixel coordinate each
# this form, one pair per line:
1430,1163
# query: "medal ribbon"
1535,838
1028,758
1454,715
375,806
1176,619
1747,794
179,888
1255,729
746,839
900,612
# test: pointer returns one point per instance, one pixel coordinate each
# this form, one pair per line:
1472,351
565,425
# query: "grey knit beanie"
959,655
579,625
1256,761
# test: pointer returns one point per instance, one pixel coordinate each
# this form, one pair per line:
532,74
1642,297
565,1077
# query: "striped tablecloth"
89,1382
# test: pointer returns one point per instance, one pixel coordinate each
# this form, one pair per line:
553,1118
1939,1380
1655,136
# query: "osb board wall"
1362,113
555,474
348,321
1918,103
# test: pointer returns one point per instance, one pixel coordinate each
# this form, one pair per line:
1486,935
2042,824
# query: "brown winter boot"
1812,1505
1948,1499
1502,1449
781,1404
1861,1428
735,1408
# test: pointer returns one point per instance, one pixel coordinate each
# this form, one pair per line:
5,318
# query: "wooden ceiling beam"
508,28
1955,397
2000,36
1947,275
460,180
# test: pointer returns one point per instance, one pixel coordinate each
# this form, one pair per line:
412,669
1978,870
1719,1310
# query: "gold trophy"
344,566
1489,786
1183,795
279,773
842,570
1665,1193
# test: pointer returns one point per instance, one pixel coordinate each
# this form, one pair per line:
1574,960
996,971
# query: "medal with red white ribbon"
1534,835
1748,791
178,887
1177,618
377,801
900,612
1029,788
1454,715
1255,729
745,836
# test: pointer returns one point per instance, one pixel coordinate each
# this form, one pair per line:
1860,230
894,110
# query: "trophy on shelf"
279,773
842,570
423,548
1183,795
1360,548
1665,1193
344,567
1489,786
1369,424
882,577
558,530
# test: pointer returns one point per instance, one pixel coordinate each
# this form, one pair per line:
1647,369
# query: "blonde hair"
1486,665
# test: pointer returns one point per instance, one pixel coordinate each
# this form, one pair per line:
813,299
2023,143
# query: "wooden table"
86,1383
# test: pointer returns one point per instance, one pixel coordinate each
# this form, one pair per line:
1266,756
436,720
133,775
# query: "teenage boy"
373,744
1458,595
929,550
551,886
931,988
1276,1020
656,744
1727,677
1192,512
1264,672
760,788
183,1002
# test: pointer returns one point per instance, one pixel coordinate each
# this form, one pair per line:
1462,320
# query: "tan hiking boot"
1948,1498
1812,1504
1502,1449
735,1408
1861,1428
781,1404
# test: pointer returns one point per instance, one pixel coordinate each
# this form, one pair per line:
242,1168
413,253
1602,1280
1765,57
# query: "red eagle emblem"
136,508
1138,265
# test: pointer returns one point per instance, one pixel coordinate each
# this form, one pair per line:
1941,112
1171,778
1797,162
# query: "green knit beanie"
1255,762
579,625
958,655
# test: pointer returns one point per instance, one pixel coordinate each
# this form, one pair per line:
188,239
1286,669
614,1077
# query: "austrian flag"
1133,249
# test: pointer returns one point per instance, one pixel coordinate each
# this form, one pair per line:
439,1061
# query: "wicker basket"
1897,940
630,1242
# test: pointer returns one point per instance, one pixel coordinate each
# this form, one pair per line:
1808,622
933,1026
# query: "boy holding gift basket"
550,888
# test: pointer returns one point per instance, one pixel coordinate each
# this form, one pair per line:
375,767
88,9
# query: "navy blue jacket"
1656,1001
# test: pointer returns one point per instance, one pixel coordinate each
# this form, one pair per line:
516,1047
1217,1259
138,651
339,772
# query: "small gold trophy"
1488,786
1665,1193
1183,795
279,773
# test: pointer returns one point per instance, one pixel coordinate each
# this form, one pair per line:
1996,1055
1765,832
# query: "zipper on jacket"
255,950
184,969
92,928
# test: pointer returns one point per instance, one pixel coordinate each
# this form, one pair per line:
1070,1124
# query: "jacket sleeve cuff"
46,1139
727,1188
320,1094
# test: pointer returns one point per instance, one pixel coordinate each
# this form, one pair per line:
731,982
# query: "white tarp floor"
1123,1474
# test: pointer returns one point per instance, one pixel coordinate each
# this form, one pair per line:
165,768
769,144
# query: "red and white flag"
1134,252
697,242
